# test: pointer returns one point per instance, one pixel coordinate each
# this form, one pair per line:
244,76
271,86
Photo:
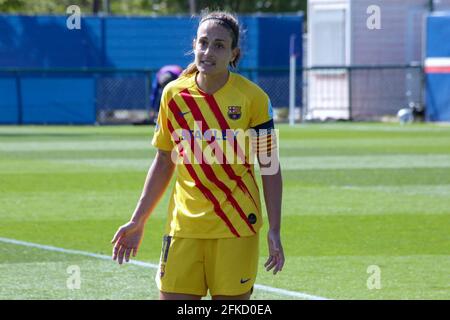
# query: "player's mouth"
208,63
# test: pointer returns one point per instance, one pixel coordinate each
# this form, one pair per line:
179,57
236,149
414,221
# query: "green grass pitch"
355,195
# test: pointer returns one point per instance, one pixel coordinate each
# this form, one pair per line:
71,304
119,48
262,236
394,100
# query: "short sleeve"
162,138
261,110
261,123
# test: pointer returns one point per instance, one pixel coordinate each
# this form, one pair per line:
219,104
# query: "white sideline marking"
288,292
150,265
70,251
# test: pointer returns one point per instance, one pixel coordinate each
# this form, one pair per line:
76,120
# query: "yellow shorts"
224,266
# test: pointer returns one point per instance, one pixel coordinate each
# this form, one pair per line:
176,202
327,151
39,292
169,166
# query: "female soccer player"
215,210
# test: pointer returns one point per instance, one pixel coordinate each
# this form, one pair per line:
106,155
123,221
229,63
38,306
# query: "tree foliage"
146,7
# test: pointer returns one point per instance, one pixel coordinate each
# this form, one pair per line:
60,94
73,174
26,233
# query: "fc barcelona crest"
234,112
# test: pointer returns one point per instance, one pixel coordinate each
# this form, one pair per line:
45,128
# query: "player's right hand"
126,241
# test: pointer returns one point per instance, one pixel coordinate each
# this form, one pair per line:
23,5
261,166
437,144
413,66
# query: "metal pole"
192,7
148,83
292,62
350,94
106,7
19,99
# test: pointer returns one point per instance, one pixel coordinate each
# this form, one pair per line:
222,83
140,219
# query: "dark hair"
229,22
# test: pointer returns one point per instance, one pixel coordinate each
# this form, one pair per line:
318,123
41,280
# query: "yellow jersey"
216,194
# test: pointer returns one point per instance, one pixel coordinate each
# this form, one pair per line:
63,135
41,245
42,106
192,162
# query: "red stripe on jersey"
206,192
221,119
198,116
224,126
209,172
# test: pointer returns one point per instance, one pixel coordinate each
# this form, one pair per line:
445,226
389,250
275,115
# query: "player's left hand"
276,253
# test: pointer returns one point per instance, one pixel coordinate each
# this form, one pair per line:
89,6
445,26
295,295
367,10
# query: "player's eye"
219,46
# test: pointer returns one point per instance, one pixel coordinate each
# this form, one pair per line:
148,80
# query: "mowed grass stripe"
305,162
35,205
288,163
138,144
39,146
318,235
366,201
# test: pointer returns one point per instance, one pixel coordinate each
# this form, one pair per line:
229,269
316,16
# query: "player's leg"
231,266
181,272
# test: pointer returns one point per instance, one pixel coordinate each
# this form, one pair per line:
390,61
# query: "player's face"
212,48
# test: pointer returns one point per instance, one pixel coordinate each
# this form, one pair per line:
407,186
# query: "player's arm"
269,164
158,177
129,236
161,170
264,144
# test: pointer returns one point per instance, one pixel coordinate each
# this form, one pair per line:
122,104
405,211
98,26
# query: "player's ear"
193,43
236,53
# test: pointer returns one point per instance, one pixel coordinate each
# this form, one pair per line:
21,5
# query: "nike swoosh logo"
245,280
183,113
